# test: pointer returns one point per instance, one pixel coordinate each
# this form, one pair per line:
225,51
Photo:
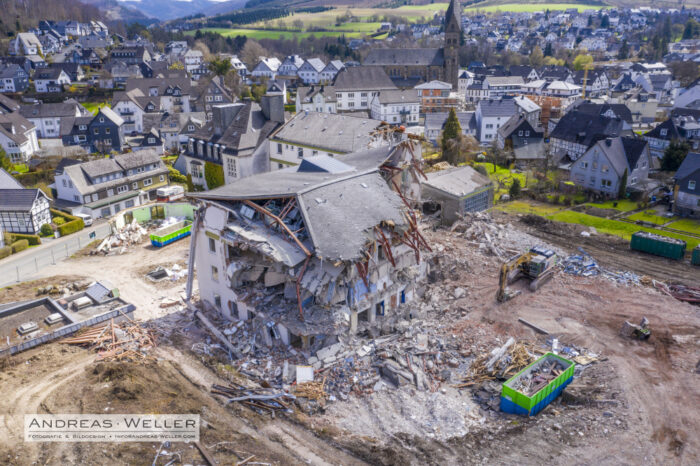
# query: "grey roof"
8,181
398,96
308,93
328,131
363,78
497,108
111,114
690,165
505,80
405,57
457,181
70,107
531,151
586,129
10,71
339,210
18,200
48,73
14,126
437,120
316,63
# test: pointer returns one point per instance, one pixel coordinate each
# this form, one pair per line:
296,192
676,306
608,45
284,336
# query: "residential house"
26,43
149,140
151,95
437,96
464,80
528,73
491,115
17,137
498,86
8,105
686,189
130,55
355,86
576,132
561,89
435,122
73,70
524,138
309,134
104,187
244,265
290,66
331,70
47,117
681,128
321,99
51,80
208,93
458,190
641,104
596,82
175,129
604,165
102,133
193,59
235,139
13,78
310,71
239,67
396,106
23,210
266,68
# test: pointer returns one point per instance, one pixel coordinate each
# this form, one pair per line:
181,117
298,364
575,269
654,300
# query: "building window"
161,178
122,189
231,167
212,245
108,130
604,168
300,152
279,148
135,185
129,204
691,184
64,183
217,301
584,165
105,212
151,140
148,181
214,273
663,132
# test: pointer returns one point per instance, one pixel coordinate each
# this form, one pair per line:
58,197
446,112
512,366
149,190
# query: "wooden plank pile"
261,400
126,341
502,363
311,390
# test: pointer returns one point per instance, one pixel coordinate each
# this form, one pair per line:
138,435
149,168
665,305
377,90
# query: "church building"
425,65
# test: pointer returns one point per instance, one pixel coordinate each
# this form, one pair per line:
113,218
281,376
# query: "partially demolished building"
314,250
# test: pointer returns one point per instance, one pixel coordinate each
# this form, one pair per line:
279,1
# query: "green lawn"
93,107
651,217
529,207
531,7
622,205
277,34
20,168
688,224
503,177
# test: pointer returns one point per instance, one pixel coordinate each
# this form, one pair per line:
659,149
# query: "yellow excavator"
537,265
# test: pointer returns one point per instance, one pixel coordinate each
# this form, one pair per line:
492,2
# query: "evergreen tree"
548,49
451,130
622,189
674,155
5,162
514,190
624,51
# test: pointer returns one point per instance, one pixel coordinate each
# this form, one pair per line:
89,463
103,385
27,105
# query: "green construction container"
515,402
658,245
696,256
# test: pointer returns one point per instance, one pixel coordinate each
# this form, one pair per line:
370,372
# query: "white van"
87,219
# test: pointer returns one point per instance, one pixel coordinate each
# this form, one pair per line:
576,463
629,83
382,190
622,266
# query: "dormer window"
691,185
663,132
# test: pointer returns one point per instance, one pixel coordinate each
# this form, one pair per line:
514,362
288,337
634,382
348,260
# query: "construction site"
316,315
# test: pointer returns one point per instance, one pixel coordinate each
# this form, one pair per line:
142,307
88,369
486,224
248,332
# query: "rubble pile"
680,292
538,377
119,241
481,231
126,341
501,363
172,273
584,265
262,400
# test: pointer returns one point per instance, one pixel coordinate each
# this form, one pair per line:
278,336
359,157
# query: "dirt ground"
638,403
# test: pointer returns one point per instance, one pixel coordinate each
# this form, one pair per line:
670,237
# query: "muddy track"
616,255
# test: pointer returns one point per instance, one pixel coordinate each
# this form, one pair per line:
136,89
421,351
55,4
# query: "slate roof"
671,131
18,200
359,78
328,131
10,71
49,110
405,57
586,129
437,120
308,93
620,110
398,96
48,73
14,126
690,165
497,108
634,148
8,105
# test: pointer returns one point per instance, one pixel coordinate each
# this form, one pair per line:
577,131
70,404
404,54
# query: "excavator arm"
506,275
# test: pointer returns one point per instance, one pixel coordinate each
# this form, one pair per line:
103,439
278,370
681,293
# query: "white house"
491,115
356,85
239,67
398,107
47,117
26,43
317,98
331,70
290,66
51,80
266,68
310,71
18,137
193,60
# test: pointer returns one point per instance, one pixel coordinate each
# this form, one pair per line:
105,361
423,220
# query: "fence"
15,270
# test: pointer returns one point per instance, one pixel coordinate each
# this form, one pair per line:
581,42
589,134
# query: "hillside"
164,10
20,15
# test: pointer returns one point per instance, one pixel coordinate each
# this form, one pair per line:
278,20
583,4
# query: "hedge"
71,227
20,245
4,252
213,175
33,240
72,224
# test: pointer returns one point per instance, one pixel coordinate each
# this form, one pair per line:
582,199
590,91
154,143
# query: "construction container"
695,260
658,245
171,233
516,402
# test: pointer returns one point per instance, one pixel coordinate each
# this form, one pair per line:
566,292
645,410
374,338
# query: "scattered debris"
641,331
501,363
583,264
119,241
259,399
126,341
311,390
680,292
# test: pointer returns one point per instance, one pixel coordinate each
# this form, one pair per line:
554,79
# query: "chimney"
223,115
608,142
273,107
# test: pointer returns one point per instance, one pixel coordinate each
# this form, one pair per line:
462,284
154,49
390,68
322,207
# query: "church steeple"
453,37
